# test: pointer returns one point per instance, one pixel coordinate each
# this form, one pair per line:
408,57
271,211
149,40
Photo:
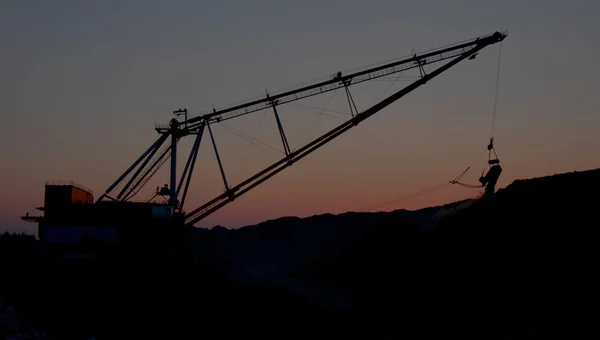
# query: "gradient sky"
83,83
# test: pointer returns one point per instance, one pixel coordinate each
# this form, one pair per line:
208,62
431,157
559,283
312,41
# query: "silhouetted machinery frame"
147,164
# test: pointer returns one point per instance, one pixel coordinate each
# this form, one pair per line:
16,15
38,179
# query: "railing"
70,183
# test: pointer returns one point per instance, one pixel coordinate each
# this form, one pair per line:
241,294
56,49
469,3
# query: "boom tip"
499,36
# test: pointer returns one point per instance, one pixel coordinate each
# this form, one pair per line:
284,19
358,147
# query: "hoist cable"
426,191
496,93
457,178
494,110
402,198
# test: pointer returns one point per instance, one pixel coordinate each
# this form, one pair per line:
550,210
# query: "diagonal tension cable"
402,198
254,141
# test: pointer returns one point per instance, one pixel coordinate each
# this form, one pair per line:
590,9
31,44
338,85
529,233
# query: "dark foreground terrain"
521,265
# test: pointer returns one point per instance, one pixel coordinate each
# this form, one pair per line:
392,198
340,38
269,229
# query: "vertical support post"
421,69
419,63
212,138
350,100
286,146
189,177
173,182
189,161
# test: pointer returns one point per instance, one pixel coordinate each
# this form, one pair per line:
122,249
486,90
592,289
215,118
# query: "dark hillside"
536,246
521,264
144,297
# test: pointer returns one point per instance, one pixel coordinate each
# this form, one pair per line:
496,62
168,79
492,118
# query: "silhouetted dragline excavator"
430,65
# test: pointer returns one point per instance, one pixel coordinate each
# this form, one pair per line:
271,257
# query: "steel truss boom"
341,81
457,53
